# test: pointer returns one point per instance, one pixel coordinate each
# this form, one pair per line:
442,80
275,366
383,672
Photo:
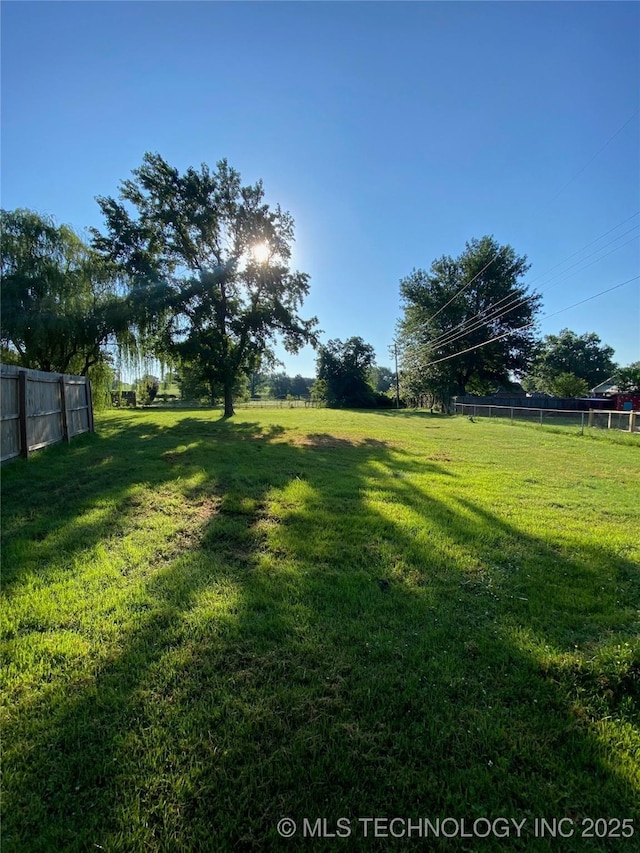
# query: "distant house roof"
606,387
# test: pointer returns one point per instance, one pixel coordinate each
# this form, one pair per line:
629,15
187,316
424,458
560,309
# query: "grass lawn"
211,625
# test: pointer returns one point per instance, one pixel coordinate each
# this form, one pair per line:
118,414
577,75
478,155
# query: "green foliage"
147,389
569,385
281,385
460,304
102,377
60,301
300,386
628,378
202,294
194,387
381,379
320,391
344,367
584,356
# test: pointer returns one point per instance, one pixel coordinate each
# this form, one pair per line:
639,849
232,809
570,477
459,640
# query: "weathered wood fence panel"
39,409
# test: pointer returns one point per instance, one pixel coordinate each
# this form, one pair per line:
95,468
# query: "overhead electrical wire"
595,252
463,288
533,322
577,252
495,304
579,172
589,162
488,314
445,339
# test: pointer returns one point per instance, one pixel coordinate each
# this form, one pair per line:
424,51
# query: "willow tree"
61,302
208,266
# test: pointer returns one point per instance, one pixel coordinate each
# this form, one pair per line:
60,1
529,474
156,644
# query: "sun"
260,252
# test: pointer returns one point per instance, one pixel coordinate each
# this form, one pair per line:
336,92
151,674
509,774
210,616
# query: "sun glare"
261,252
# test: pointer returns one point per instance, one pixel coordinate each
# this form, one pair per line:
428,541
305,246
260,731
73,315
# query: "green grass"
210,625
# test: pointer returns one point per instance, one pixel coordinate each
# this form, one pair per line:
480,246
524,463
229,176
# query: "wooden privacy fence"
39,409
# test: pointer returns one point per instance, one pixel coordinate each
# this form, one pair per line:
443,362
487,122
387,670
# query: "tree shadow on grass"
61,503
344,646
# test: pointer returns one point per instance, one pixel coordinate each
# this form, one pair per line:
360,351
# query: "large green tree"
628,378
208,263
584,356
343,371
453,313
60,299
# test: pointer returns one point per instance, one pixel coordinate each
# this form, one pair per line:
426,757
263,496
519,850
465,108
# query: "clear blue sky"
393,133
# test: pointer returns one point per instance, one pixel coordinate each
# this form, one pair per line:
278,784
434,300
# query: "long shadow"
305,663
68,499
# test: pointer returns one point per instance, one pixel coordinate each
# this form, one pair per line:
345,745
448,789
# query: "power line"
506,309
588,163
484,318
455,295
577,252
595,252
533,322
579,172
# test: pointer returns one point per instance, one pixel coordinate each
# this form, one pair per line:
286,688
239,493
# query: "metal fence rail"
627,421
38,409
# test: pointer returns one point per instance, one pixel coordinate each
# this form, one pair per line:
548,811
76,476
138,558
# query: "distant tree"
569,385
208,263
280,384
147,388
453,311
628,378
300,386
194,386
60,300
584,356
320,391
258,376
257,380
345,368
381,379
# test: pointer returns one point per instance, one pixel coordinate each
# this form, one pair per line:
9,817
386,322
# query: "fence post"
87,387
609,421
632,421
591,416
63,410
540,417
582,424
22,409
511,414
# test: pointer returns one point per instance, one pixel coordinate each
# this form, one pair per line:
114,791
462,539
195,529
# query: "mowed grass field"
212,625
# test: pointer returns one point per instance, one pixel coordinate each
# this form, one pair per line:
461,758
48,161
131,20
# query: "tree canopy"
60,300
569,385
583,356
208,265
628,378
454,310
343,373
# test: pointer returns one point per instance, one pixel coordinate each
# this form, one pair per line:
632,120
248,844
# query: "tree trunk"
228,398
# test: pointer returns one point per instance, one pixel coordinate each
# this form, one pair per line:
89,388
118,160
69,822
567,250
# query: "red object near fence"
627,402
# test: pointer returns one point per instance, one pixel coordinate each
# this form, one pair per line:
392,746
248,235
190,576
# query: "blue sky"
393,133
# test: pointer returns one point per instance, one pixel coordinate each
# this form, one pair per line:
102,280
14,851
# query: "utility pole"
395,351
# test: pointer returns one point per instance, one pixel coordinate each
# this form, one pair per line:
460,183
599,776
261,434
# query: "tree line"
193,269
